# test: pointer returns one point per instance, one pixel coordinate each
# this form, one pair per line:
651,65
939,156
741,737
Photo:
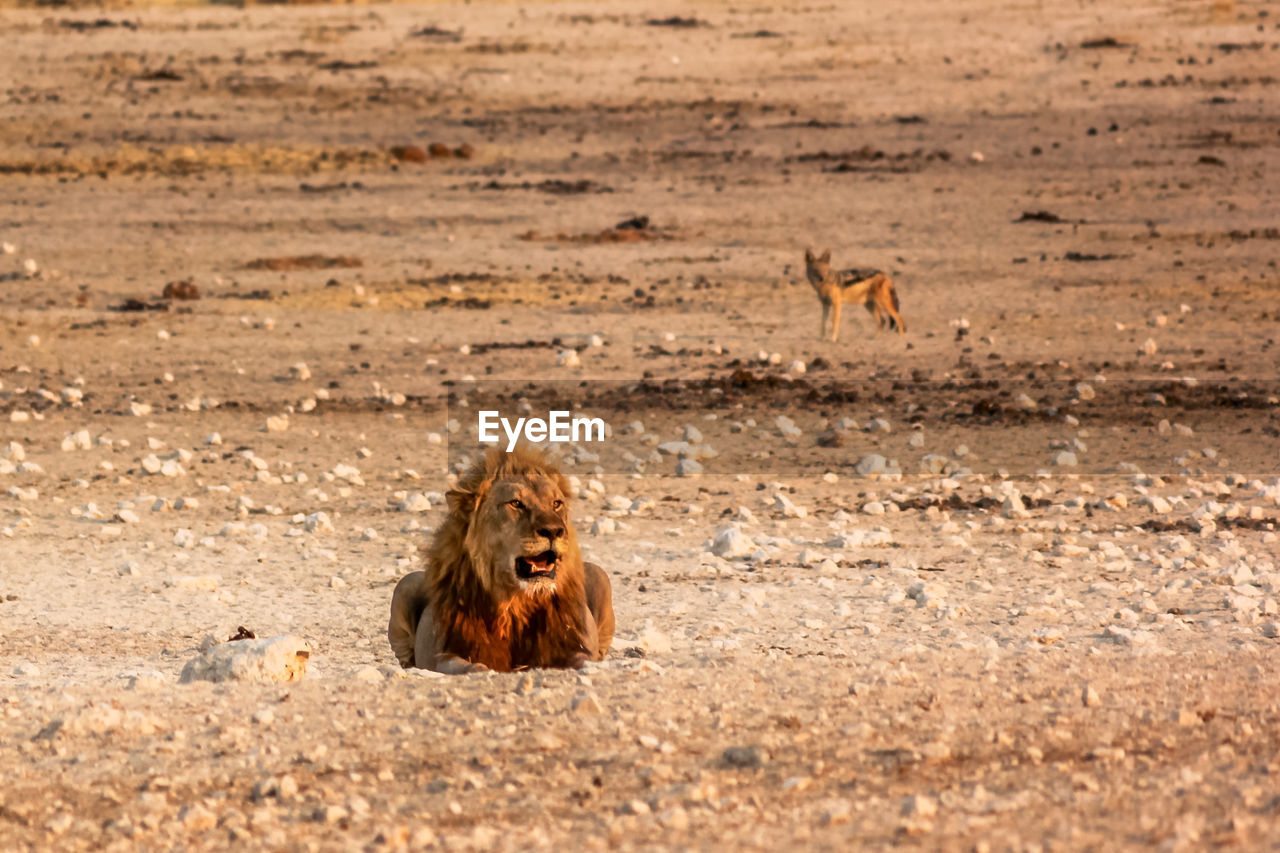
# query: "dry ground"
985,648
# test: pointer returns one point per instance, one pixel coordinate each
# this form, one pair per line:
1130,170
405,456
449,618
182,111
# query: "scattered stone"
318,522
744,756
281,658
731,542
920,806
1089,697
872,463
783,504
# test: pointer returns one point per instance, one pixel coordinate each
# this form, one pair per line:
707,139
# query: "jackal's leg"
826,312
873,308
835,320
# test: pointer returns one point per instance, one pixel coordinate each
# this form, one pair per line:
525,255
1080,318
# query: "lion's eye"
557,504
515,504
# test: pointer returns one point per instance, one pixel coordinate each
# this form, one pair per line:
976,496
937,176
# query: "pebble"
1156,504
744,756
369,674
787,427
688,468
77,441
919,805
784,505
872,463
568,358
1089,697
417,502
318,522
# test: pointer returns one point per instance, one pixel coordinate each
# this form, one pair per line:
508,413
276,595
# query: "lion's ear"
562,483
459,501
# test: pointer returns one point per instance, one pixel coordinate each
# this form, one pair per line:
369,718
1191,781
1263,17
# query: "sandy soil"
963,618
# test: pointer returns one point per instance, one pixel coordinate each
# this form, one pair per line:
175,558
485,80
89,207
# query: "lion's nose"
551,531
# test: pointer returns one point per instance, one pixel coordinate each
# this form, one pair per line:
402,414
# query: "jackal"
870,287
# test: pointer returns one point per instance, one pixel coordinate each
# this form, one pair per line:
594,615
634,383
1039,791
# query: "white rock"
603,526
688,468
77,441
1156,504
783,504
416,502
1013,507
568,358
281,658
872,463
300,372
278,423
920,806
1150,347
318,522
731,542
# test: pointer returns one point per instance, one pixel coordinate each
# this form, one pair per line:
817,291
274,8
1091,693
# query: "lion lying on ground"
505,586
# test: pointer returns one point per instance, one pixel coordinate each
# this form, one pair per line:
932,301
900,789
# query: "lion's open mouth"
537,566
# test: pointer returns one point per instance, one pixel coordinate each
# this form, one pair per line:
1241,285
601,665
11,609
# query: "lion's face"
520,535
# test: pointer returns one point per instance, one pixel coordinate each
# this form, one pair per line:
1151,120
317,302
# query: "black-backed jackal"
870,287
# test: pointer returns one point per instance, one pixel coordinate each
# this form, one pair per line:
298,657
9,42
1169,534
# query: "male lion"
505,586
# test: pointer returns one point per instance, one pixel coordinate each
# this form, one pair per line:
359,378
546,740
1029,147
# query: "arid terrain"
1008,582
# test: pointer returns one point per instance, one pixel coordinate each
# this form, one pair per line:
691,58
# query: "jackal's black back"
850,277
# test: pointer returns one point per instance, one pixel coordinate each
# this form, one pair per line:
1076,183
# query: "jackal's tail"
896,323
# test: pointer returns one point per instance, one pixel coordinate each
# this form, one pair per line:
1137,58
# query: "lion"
505,587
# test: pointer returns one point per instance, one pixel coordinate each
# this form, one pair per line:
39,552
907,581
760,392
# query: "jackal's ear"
826,257
808,256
